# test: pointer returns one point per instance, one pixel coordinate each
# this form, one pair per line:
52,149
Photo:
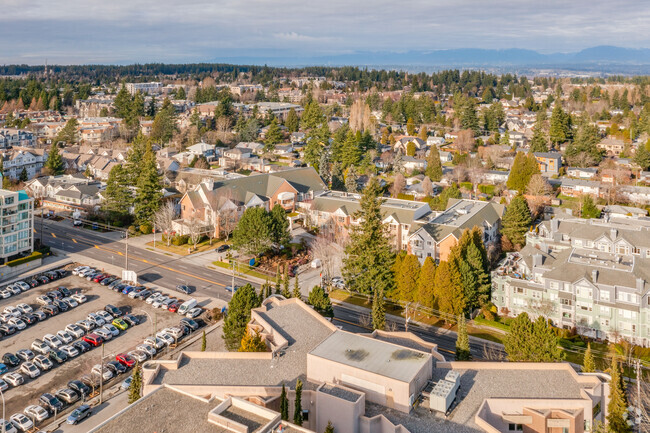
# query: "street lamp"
4,420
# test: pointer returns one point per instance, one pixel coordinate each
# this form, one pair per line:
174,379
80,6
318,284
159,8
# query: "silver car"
36,412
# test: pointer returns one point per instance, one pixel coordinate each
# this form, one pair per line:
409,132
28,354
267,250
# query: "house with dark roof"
220,203
436,238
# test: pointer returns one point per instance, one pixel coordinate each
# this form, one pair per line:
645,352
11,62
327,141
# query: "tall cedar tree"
351,179
434,165
539,141
134,157
406,279
560,130
284,404
378,310
523,168
410,126
468,117
285,282
583,151
426,283
148,196
136,384
462,341
329,428
252,342
531,341
54,163
516,221
368,261
280,233
588,208
338,181
273,135
324,167
68,134
278,280
117,196
470,258
164,124
296,288
588,362
204,342
23,175
320,300
617,406
317,139
253,234
313,116
449,295
297,410
292,122
239,314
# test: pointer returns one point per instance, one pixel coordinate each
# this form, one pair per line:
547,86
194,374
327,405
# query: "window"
604,322
604,310
604,296
515,427
566,301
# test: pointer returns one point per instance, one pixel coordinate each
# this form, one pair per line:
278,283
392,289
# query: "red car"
174,307
100,277
125,360
93,339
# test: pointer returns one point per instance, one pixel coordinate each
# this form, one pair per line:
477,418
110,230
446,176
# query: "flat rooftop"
341,393
458,214
303,332
368,354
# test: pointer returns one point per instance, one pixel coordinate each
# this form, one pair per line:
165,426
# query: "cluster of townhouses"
592,275
381,382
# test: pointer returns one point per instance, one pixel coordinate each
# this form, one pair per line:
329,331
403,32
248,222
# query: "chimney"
554,225
613,233
537,260
640,284
594,275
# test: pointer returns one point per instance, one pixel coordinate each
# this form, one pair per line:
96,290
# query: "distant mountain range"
602,56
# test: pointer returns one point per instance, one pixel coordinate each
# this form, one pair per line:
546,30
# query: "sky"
129,31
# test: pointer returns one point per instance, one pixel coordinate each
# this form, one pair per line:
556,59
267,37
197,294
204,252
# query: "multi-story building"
11,137
16,160
438,236
16,224
593,275
146,88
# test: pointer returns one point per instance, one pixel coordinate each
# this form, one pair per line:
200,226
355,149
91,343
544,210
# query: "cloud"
85,31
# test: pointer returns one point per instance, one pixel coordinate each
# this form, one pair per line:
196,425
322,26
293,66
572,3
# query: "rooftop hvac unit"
444,393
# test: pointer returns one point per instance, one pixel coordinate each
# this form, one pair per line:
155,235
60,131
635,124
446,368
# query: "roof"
550,155
375,356
463,214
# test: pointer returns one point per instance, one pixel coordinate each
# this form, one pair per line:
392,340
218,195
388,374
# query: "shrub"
35,255
487,189
466,185
180,240
146,228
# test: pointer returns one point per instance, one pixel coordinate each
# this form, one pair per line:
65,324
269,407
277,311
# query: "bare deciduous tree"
164,219
465,141
195,230
427,186
328,252
399,183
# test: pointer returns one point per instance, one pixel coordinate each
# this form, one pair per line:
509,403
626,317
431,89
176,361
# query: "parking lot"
17,398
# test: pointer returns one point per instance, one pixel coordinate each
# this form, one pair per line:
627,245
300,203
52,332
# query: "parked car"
183,289
120,324
104,333
147,348
23,285
3,385
36,412
29,319
58,356
67,395
30,369
190,323
79,414
194,313
65,337
50,310
62,306
53,341
104,373
79,269
116,368
93,339
125,360
24,308
8,426
222,248
127,383
10,359
155,342
131,319
70,351
105,316
75,330
7,330
113,310
166,337
25,354
40,315
21,422
14,378
108,280
43,362
39,346
3,369
90,380
71,302
50,402
97,320
138,355
17,323
64,291
81,346
79,387
79,298
43,300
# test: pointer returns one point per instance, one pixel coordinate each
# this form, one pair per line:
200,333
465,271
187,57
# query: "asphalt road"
168,272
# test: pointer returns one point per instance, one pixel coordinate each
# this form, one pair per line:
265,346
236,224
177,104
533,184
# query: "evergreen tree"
297,411
135,388
468,117
531,341
238,316
329,428
516,221
368,256
284,404
538,142
317,139
68,134
351,151
642,157
292,121
164,124
523,168
117,195
122,103
588,362
406,279
252,342
273,136
338,181
426,283
148,196
410,126
584,152
54,164
462,341
518,340
319,299
280,233
253,233
152,108
278,280
448,291
434,165
134,157
285,282
23,175
324,167
378,310
544,342
181,94
588,208
204,342
617,406
313,116
560,130
351,179
296,288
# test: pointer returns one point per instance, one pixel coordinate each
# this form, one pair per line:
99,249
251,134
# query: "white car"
147,348
11,311
15,289
155,342
17,323
168,339
43,300
153,298
79,298
194,312
112,329
70,351
86,325
24,308
86,272
43,362
21,422
36,412
71,302
65,337
52,341
174,332
75,330
30,369
5,293
39,346
23,285
105,315
14,379
105,334
97,320
138,355
79,269
3,385
158,302
107,374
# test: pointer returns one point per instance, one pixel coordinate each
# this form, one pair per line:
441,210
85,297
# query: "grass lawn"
182,249
243,269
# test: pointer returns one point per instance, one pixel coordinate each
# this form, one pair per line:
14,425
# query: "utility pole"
101,377
154,234
637,409
126,261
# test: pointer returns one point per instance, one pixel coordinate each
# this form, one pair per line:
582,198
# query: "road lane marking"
53,235
74,240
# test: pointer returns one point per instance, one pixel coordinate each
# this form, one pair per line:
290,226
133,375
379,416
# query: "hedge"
466,185
486,189
35,255
482,321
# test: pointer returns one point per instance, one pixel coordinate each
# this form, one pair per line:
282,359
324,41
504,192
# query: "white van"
186,306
